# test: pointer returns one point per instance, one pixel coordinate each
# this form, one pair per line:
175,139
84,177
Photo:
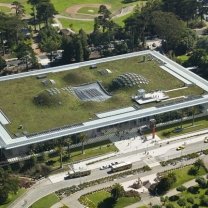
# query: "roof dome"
129,80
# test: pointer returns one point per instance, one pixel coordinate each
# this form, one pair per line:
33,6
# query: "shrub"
190,200
181,202
170,206
50,162
132,193
45,99
65,158
53,154
174,198
205,152
193,189
206,192
181,188
201,181
193,171
204,200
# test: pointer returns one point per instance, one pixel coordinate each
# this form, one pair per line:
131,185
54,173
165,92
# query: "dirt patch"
73,10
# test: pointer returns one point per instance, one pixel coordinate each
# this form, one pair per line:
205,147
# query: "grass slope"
104,198
46,202
13,197
183,176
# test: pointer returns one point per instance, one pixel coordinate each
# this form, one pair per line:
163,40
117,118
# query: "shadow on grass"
107,203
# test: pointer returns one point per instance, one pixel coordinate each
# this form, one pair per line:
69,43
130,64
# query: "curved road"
45,186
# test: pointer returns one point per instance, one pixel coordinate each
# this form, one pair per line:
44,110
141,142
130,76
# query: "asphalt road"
45,186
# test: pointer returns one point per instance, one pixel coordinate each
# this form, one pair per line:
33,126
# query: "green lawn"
87,26
13,197
76,25
4,9
103,197
46,202
183,58
17,95
183,176
185,195
200,123
120,20
88,10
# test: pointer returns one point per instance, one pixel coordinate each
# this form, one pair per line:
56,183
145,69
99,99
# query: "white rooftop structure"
112,118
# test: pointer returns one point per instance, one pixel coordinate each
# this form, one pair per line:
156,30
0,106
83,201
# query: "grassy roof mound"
46,99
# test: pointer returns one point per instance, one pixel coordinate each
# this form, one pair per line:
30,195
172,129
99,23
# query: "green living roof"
17,96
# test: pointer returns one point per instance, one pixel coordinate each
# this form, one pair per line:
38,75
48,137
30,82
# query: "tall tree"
19,8
79,53
50,40
34,4
83,138
2,63
45,12
60,150
8,184
117,191
168,27
25,53
84,39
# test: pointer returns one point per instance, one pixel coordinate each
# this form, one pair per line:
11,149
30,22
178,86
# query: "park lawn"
17,95
115,5
90,150
61,7
76,25
187,195
120,20
88,10
13,197
104,196
87,26
183,176
46,202
199,123
183,58
4,9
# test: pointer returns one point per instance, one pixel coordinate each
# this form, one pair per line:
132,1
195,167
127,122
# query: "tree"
79,54
193,114
117,191
204,200
19,8
25,53
84,42
69,142
198,164
83,138
168,27
45,12
69,50
201,181
34,4
185,9
60,150
165,183
50,40
2,63
181,202
8,184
